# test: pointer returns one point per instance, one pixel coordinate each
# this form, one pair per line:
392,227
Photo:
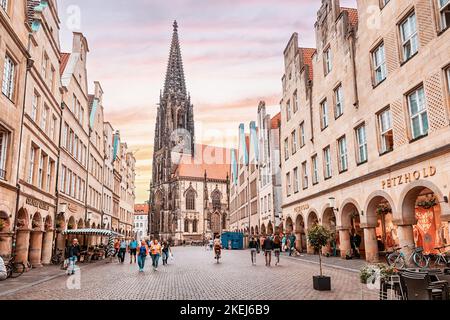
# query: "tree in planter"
318,237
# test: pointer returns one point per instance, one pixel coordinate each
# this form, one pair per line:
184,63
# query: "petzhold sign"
408,177
37,203
301,208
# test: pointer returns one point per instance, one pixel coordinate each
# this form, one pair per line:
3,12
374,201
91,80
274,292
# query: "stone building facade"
373,99
46,124
140,223
269,172
15,31
189,196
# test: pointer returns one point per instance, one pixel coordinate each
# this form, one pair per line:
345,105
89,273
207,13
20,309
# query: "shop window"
386,131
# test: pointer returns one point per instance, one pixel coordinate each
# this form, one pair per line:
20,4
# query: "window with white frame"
343,157
9,74
4,4
52,128
315,170
286,149
288,111
302,135
49,174
327,60
339,99
44,66
296,180
295,102
327,162
418,113
44,115
3,152
410,40
444,12
361,143
288,184
34,106
386,131
31,165
294,141
63,179
305,175
68,181
41,170
324,114
379,64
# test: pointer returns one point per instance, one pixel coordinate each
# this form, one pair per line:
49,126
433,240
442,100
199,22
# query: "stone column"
35,248
47,246
22,245
371,244
344,242
5,244
406,238
298,241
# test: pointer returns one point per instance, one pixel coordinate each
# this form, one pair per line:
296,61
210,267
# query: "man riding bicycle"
217,247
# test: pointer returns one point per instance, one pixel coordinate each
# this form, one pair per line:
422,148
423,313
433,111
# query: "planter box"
322,283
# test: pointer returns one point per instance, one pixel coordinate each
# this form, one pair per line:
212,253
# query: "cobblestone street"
194,275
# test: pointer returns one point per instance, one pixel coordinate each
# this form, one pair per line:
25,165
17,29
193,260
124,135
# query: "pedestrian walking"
254,248
132,249
116,247
73,254
142,255
261,242
122,250
166,251
268,247
291,243
277,248
155,250
283,243
3,273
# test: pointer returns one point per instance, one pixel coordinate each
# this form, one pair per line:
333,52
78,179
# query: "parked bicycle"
57,258
399,260
14,269
441,259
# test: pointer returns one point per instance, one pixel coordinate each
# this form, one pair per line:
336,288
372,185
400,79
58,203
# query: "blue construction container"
235,240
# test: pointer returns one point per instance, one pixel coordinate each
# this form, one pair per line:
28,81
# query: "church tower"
174,133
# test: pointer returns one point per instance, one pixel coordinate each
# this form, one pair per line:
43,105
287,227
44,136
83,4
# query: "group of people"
141,250
272,243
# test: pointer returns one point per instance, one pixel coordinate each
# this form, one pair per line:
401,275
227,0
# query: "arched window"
216,200
190,200
194,226
186,225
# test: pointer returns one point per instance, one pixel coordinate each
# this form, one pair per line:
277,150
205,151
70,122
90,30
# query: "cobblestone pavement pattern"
194,275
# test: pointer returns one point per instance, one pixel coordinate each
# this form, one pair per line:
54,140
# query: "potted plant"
369,272
318,237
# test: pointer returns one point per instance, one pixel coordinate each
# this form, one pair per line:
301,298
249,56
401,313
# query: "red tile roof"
276,121
352,15
141,208
307,54
64,59
216,161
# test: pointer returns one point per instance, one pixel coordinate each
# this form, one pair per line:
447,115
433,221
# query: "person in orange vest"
142,255
155,249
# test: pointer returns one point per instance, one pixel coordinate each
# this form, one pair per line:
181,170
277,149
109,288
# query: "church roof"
215,161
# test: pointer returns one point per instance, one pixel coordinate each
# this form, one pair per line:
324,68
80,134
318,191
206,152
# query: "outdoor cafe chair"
420,287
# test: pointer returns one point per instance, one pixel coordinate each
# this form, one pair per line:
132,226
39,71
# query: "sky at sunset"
232,54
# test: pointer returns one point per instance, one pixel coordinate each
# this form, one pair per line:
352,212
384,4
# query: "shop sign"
37,203
408,177
301,208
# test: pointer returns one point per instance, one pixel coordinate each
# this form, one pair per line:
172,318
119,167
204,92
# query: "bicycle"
440,260
398,259
57,258
14,269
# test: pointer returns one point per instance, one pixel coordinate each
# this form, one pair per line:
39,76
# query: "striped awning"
93,232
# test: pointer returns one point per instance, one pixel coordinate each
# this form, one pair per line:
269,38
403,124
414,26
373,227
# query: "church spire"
175,82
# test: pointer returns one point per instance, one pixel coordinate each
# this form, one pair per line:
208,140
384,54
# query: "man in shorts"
132,247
